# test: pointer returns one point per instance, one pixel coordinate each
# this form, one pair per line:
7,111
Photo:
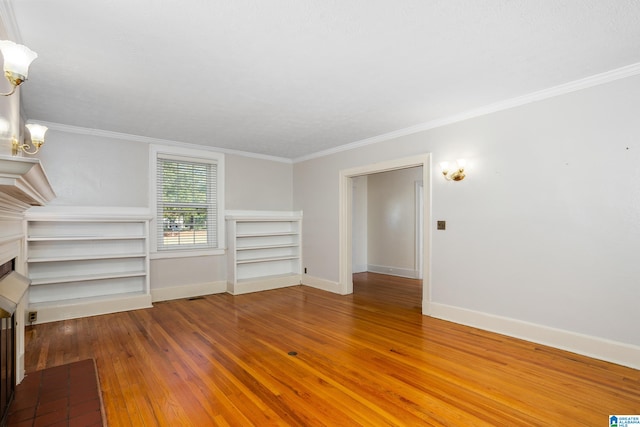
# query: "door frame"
345,268
419,243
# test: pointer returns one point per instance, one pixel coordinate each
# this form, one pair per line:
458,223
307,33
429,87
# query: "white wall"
88,170
544,230
257,184
391,231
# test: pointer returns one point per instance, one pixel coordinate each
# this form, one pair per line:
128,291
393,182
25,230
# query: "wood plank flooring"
367,359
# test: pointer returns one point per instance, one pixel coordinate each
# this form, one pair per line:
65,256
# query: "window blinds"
187,203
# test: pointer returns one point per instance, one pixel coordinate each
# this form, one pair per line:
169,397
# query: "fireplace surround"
23,184
13,286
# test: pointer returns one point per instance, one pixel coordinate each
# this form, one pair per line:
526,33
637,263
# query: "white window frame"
194,155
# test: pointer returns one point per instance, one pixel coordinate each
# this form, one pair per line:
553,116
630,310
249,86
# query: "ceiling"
290,78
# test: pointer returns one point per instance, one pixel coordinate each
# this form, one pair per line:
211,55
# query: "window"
188,200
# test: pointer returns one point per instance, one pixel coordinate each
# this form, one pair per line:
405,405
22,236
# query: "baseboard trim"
394,271
98,306
20,374
262,284
322,284
188,291
598,348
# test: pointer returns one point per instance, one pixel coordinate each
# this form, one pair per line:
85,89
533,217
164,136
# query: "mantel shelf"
23,183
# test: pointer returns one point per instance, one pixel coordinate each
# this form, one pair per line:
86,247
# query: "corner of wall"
322,284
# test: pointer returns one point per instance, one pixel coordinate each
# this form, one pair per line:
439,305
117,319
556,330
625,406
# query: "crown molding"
587,82
23,183
150,140
8,21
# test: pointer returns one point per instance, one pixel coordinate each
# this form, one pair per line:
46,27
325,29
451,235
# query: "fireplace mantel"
23,183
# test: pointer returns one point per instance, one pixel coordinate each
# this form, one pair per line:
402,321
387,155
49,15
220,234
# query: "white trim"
93,213
186,253
262,215
257,285
419,222
10,248
345,234
25,180
158,141
322,284
9,239
188,291
345,272
194,155
11,208
598,348
587,82
20,337
394,271
48,312
584,83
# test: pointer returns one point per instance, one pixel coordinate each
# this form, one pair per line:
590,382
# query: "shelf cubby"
79,256
264,250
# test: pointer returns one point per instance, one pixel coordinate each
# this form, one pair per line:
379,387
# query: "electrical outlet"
442,225
33,316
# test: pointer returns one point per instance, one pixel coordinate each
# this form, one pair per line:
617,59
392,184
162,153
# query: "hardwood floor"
367,359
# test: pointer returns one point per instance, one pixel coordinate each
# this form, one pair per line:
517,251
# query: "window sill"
186,253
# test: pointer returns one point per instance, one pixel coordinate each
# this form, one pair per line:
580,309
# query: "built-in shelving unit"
87,261
264,250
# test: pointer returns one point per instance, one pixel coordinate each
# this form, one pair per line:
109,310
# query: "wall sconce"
454,175
17,59
37,139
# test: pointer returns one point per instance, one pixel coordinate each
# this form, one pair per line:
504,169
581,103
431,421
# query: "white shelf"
76,256
52,311
86,278
253,248
86,257
284,233
82,301
273,278
264,250
268,259
81,238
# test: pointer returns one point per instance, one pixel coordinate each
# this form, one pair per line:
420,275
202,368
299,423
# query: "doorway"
346,219
387,226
